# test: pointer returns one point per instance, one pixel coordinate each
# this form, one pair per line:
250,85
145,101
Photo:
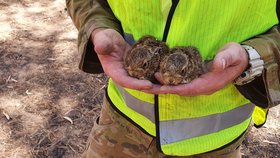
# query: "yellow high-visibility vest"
191,125
259,116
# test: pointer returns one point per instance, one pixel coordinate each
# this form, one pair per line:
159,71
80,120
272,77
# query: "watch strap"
255,69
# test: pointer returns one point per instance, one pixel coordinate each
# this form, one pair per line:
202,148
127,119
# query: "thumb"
233,54
222,61
102,43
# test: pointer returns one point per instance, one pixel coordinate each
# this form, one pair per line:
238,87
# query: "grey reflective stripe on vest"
176,130
194,127
129,38
144,108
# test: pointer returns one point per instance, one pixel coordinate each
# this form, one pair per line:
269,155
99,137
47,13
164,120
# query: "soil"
47,105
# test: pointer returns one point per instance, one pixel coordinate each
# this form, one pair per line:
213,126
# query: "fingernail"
224,63
148,86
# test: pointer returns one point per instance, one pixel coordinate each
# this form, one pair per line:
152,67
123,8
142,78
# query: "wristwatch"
255,69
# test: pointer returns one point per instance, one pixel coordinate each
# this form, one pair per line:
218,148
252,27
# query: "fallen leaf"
69,119
270,142
6,115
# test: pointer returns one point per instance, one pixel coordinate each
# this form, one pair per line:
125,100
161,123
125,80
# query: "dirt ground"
47,104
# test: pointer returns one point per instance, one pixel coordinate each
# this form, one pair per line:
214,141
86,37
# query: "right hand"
110,48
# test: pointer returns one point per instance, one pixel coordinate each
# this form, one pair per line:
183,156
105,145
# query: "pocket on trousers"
116,141
101,141
100,129
99,123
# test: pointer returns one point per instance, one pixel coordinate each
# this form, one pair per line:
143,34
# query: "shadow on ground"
47,105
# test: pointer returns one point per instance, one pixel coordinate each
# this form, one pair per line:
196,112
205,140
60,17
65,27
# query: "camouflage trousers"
113,136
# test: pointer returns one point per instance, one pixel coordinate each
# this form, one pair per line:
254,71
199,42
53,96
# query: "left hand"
227,65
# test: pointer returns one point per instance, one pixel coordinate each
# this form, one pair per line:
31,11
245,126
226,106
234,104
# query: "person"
208,117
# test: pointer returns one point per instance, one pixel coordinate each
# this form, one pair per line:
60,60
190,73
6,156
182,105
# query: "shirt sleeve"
265,90
88,15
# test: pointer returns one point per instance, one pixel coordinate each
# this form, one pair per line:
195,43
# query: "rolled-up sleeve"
88,15
265,90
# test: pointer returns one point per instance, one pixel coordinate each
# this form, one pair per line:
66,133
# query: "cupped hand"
227,65
111,48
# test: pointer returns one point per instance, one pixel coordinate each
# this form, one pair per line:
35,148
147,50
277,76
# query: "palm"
229,63
110,48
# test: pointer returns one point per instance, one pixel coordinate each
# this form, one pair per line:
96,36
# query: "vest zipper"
169,19
164,38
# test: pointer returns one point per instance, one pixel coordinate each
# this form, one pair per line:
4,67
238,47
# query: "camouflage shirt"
264,91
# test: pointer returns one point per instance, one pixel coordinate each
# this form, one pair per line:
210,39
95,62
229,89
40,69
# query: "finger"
166,89
159,77
132,83
120,76
204,85
211,82
156,89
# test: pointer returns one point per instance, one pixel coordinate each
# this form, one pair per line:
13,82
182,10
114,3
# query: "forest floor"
47,105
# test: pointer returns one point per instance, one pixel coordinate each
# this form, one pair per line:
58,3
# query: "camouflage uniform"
113,135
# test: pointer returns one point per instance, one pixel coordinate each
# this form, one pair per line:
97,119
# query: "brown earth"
47,104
